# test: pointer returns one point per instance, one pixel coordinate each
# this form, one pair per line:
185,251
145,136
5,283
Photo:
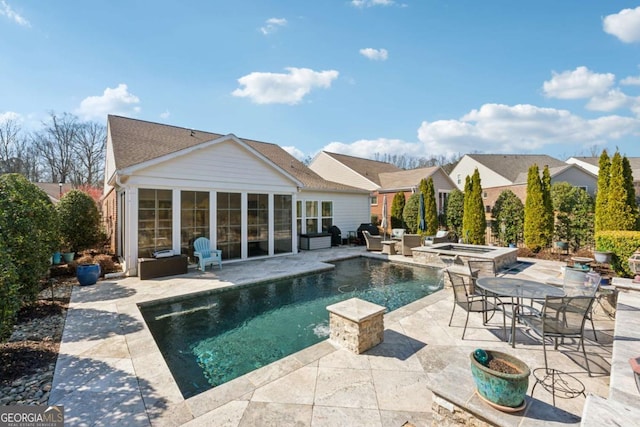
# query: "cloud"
371,3
6,10
272,25
294,152
612,100
503,129
370,147
631,81
375,54
625,25
276,88
165,114
576,84
112,101
10,116
498,128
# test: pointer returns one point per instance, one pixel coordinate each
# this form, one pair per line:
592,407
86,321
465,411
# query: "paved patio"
110,371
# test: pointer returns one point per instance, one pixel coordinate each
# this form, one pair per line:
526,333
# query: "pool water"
213,338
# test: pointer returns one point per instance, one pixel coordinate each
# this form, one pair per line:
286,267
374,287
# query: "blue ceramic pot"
57,258
500,388
68,256
88,274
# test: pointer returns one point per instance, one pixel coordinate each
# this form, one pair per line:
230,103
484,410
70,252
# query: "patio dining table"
517,290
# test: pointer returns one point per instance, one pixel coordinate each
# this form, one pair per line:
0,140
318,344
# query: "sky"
419,78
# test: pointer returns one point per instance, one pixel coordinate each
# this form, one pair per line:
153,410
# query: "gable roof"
511,166
553,171
370,169
634,162
137,141
405,178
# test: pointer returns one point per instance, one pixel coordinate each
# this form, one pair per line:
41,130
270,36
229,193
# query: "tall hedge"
619,214
474,222
627,174
548,205
535,219
397,206
79,221
28,238
430,208
455,211
604,165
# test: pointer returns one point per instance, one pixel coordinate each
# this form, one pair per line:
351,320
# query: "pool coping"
149,384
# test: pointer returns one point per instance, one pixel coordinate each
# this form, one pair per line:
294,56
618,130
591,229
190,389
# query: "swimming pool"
212,338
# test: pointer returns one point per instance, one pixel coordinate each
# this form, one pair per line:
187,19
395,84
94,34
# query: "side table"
389,247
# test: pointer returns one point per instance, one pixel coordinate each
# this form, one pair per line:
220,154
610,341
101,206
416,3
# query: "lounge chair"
206,256
442,236
374,243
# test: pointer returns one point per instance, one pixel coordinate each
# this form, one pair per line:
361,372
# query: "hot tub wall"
503,257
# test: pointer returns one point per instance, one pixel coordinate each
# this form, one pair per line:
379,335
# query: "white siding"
349,210
332,170
466,166
226,167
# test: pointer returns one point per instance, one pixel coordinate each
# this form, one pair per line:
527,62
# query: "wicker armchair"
374,243
408,242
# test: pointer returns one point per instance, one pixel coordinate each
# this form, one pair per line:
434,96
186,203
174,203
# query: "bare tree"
55,144
10,145
90,143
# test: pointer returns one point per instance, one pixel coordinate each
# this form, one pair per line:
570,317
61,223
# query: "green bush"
622,244
397,207
9,297
79,221
411,212
508,217
28,232
455,211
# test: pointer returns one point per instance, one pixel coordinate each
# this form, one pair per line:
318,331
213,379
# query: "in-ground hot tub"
503,257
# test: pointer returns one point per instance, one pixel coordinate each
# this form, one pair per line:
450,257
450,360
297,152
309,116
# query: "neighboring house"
380,178
349,170
167,185
54,190
499,172
408,181
592,164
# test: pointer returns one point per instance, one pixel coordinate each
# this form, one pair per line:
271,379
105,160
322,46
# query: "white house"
167,185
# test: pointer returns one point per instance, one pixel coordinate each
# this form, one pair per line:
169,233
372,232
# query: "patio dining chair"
561,317
582,284
473,303
206,256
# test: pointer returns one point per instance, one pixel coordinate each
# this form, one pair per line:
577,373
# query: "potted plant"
501,379
88,271
602,257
